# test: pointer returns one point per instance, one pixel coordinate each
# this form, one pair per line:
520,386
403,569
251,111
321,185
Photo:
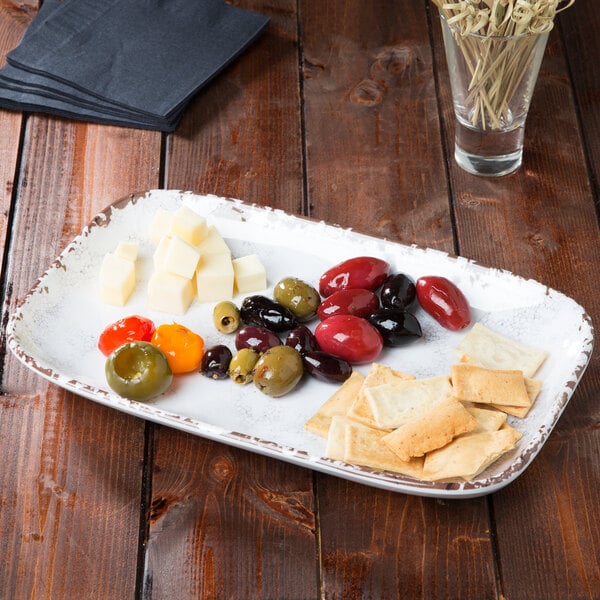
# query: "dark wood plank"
235,524
71,482
375,162
545,522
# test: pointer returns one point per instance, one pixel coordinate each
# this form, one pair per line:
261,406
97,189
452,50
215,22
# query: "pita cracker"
336,438
378,374
533,387
364,447
494,351
431,430
338,404
393,404
468,455
489,386
488,419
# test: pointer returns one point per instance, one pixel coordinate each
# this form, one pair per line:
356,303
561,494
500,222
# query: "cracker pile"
437,428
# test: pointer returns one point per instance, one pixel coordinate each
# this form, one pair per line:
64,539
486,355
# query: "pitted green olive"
278,371
299,297
242,365
226,316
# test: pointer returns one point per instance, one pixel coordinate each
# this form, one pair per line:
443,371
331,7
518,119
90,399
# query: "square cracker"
494,351
378,374
363,446
393,404
468,455
337,404
489,386
336,438
430,430
488,419
533,387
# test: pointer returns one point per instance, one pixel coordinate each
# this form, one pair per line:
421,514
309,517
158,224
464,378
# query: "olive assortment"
361,307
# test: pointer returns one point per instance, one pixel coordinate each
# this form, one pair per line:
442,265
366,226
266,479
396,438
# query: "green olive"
226,316
278,371
299,297
138,371
242,364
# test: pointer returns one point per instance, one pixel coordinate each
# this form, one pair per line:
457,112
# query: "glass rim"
480,36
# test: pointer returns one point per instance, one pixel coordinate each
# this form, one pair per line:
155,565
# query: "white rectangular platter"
55,329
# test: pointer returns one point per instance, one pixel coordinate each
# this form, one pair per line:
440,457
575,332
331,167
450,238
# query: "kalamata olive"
365,272
215,362
299,297
262,311
302,339
444,302
257,338
353,301
326,367
226,316
398,291
349,337
278,371
242,365
397,327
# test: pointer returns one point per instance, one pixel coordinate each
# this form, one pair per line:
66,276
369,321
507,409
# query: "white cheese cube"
176,256
160,225
168,292
189,226
250,274
213,243
117,279
127,250
214,278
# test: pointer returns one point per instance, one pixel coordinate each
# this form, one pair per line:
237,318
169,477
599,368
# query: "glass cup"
492,81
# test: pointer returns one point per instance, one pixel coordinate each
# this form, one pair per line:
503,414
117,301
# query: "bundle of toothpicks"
496,38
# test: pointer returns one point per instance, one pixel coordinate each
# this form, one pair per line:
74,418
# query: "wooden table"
340,112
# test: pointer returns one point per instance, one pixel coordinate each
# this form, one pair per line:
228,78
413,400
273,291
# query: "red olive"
365,272
444,302
351,338
352,301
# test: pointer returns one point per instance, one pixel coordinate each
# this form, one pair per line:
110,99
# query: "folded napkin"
127,62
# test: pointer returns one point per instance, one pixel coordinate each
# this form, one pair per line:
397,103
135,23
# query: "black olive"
326,367
396,326
262,311
302,339
215,362
398,291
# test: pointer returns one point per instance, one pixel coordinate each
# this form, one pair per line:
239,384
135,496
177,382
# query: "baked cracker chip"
338,404
364,447
336,438
468,455
395,403
360,409
488,419
494,351
489,386
533,387
430,430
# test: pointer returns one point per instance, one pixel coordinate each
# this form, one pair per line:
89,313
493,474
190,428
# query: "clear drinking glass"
492,81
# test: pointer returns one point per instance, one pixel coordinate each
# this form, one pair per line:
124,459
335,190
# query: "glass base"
490,152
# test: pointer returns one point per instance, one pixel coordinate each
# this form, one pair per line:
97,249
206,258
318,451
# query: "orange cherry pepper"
183,348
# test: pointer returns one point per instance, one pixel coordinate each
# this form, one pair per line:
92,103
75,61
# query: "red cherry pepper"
129,329
365,272
444,302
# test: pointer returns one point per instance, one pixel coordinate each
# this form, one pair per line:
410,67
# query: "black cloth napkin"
126,62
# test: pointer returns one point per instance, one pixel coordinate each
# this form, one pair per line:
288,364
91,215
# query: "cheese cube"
160,225
168,292
213,243
117,279
214,278
128,250
176,256
189,226
250,274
